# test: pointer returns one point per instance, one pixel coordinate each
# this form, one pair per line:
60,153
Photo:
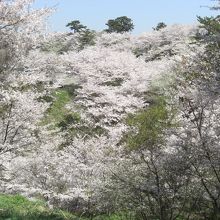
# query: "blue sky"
144,13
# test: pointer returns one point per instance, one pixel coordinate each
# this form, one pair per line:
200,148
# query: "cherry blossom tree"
20,30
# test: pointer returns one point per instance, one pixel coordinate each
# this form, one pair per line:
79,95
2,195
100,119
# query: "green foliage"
160,26
57,110
120,25
148,125
210,24
86,38
210,36
117,216
76,26
68,120
58,114
16,207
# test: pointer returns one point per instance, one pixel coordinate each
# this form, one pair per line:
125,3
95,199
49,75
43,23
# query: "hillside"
108,123
72,107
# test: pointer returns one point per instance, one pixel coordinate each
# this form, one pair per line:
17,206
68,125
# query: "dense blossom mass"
123,123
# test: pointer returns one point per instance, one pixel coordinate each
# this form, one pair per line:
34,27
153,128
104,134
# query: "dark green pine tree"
76,26
120,25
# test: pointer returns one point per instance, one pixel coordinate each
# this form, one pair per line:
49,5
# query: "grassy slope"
16,207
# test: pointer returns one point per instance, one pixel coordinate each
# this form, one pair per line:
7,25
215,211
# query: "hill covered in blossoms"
116,123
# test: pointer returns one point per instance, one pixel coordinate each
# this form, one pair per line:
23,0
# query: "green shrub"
148,125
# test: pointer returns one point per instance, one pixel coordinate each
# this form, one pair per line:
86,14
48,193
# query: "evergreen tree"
76,26
160,26
120,25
